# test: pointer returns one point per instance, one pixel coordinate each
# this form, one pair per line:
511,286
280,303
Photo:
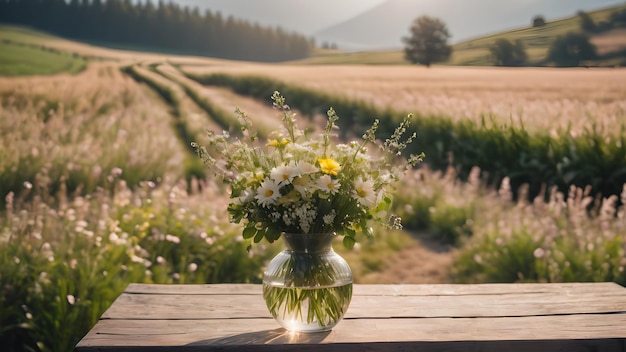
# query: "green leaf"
249,231
348,242
259,236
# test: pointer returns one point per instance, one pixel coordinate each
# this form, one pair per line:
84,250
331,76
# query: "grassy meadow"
99,187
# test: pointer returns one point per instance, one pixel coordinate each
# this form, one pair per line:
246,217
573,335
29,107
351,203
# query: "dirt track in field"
425,262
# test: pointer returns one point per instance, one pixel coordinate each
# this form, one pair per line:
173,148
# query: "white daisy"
364,193
267,193
328,185
283,174
304,168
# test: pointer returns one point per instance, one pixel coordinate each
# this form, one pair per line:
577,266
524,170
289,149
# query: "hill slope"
383,26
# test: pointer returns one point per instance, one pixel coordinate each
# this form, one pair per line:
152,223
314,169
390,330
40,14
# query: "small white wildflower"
71,299
160,260
330,217
287,220
539,253
172,238
192,267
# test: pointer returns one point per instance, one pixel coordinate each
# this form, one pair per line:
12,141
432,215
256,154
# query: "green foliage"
505,53
571,49
18,59
431,208
538,159
618,18
586,22
427,42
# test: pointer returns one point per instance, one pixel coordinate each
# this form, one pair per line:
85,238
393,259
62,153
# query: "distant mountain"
383,26
302,16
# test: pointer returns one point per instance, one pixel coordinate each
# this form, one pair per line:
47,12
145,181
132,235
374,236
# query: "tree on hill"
586,22
427,42
506,53
539,21
571,49
618,18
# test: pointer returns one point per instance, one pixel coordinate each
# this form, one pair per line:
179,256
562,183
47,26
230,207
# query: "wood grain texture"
512,317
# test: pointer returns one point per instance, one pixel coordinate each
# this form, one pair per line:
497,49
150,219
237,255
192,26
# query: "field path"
425,262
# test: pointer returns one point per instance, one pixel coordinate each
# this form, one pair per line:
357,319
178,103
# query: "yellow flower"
278,144
329,166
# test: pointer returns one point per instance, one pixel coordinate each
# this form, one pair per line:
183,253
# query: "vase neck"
308,243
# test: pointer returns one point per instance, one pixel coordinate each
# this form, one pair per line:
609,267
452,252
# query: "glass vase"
308,286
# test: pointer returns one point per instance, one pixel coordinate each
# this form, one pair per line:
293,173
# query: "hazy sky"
305,16
386,21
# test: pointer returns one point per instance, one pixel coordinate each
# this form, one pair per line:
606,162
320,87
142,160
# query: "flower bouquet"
301,183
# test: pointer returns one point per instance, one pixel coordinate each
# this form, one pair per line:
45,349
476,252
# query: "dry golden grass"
89,122
540,98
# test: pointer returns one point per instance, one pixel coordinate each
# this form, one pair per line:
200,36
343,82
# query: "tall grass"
576,237
63,260
76,129
556,241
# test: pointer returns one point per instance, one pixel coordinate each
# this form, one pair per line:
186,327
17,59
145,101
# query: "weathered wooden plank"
580,345
364,332
167,306
208,289
393,290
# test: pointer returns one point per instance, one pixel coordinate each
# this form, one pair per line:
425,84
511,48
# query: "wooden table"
491,317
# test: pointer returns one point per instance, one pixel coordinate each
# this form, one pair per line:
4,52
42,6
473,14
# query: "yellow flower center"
361,192
269,193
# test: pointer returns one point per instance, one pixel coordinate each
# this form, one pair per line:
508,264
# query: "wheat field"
542,99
